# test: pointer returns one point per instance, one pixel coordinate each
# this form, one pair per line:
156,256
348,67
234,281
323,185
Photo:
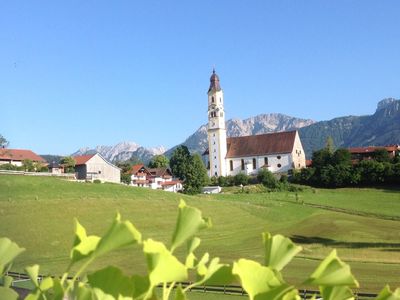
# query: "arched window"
212,99
254,164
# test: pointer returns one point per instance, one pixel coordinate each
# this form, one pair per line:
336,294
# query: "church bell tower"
216,128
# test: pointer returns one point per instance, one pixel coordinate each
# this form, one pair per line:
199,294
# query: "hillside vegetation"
38,213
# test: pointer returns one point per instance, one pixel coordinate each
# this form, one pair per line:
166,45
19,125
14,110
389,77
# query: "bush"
267,179
97,181
241,179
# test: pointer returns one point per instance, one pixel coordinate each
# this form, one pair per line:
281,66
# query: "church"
277,152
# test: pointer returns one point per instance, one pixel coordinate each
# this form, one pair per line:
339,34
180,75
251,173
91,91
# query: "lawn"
38,214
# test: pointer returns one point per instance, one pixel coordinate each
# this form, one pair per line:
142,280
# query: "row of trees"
336,169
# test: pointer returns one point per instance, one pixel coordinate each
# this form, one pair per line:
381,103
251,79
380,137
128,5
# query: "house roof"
371,149
136,168
19,155
83,159
168,183
160,172
262,144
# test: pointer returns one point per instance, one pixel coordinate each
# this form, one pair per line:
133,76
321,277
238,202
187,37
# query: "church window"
242,161
215,157
231,164
215,167
216,174
212,99
278,157
266,161
279,165
254,164
208,165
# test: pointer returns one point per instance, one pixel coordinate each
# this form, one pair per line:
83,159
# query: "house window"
242,161
266,161
279,165
278,157
254,164
231,164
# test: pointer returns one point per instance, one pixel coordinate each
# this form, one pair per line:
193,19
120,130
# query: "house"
95,166
17,156
55,168
278,152
154,178
366,153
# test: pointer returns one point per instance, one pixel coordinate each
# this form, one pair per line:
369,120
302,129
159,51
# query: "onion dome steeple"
214,83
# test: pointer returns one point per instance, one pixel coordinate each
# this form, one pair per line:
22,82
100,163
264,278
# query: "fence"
220,289
12,172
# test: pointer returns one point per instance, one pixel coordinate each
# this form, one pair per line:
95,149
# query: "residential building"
17,156
95,166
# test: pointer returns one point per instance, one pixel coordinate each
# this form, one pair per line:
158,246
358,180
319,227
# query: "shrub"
266,178
241,179
97,181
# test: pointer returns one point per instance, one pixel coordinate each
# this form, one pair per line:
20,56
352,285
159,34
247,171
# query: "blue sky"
83,73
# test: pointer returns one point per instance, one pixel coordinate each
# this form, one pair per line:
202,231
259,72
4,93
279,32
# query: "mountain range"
381,128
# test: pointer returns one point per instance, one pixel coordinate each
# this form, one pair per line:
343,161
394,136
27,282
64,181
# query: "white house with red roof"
17,156
95,166
278,152
154,178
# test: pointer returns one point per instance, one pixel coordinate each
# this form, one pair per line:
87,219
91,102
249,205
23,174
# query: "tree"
159,161
321,158
341,157
69,164
28,165
330,145
195,175
3,142
381,155
180,161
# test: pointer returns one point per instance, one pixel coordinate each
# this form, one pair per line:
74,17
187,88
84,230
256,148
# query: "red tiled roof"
81,160
262,144
371,149
141,181
20,154
136,168
308,162
170,182
160,172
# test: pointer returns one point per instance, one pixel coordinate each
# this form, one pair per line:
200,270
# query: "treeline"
336,169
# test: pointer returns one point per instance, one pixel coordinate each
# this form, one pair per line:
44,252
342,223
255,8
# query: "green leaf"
100,295
387,294
283,292
179,294
142,286
162,265
279,250
84,245
112,281
120,234
215,273
8,294
7,281
191,247
255,279
188,224
8,252
336,292
46,284
58,290
33,273
332,272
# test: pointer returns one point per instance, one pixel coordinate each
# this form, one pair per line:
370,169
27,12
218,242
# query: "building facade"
277,152
92,167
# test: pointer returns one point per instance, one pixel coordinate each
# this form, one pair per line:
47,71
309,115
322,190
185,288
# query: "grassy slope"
37,213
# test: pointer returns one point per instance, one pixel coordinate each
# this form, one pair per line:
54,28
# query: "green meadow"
362,224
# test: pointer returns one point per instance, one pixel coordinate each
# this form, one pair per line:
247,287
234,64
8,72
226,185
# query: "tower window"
254,164
215,167
212,99
266,161
242,161
231,164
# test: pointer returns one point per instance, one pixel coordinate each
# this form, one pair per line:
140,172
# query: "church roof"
214,82
262,144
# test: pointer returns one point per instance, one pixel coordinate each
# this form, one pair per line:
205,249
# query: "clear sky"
84,73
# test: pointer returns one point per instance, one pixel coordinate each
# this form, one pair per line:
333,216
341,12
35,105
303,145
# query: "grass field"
38,214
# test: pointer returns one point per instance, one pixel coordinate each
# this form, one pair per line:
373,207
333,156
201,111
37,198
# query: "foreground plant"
261,281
